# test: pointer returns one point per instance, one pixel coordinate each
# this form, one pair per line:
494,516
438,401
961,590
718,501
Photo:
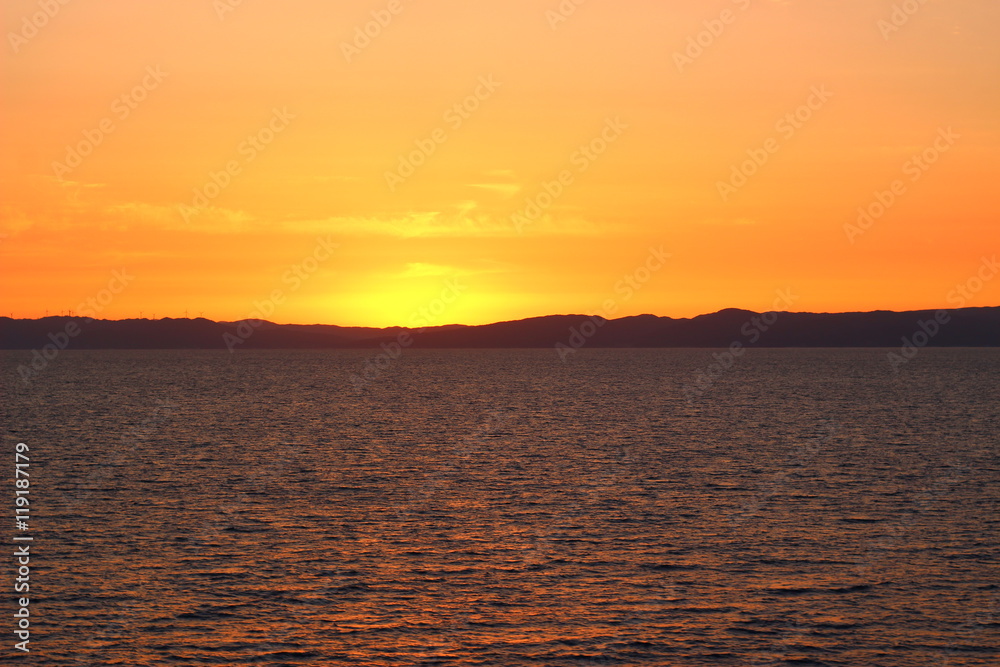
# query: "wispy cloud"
506,189
66,204
436,224
730,222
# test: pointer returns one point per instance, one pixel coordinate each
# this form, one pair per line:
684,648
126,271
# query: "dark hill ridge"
966,327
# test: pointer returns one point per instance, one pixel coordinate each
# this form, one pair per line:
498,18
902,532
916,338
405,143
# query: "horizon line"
88,318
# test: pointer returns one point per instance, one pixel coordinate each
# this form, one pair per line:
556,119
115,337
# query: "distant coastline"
964,327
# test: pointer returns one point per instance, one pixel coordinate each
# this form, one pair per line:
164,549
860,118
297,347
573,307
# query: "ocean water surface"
500,507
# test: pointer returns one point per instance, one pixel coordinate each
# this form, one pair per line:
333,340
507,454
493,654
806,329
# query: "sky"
354,162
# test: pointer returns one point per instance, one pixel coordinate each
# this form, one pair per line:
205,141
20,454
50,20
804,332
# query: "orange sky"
165,95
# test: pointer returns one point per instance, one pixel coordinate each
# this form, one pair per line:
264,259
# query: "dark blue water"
811,507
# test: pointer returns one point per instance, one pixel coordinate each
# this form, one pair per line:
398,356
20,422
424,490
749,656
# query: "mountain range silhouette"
965,327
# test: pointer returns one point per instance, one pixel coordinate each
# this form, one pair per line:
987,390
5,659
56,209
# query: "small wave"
277,656
667,567
802,590
206,614
351,588
833,625
704,610
751,631
245,529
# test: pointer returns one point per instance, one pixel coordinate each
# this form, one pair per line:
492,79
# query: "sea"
505,507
